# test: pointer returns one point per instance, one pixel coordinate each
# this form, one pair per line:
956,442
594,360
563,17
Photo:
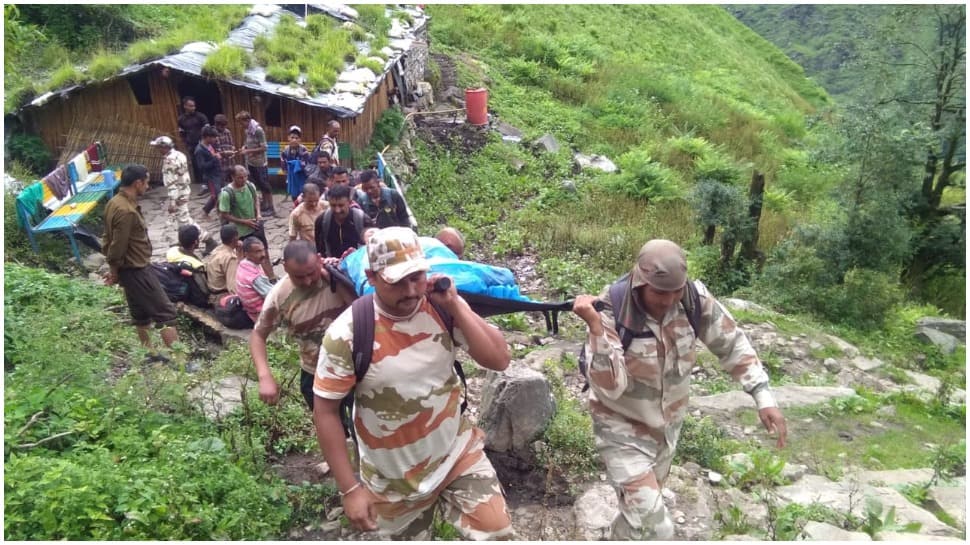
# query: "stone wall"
417,60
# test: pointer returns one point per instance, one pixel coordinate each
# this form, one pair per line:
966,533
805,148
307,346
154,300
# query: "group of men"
415,450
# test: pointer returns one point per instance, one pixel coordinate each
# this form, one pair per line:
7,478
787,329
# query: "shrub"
387,130
864,299
373,18
643,178
717,167
227,62
374,65
147,50
30,150
703,442
287,72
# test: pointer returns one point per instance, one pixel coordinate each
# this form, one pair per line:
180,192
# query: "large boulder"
944,341
516,406
786,396
956,328
952,500
598,162
217,399
547,143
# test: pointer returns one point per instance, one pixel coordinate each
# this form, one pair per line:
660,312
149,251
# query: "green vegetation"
569,446
227,62
319,50
45,44
103,446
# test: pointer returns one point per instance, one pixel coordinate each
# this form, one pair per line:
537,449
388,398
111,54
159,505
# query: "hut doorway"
208,99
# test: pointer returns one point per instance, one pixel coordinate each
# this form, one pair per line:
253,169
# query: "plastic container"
476,106
109,176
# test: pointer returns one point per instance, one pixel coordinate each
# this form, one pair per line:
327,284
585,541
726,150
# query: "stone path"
154,206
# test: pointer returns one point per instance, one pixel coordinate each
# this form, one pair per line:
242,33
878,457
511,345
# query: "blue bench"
273,154
86,191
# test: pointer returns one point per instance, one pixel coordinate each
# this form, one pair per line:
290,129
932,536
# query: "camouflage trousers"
470,498
181,216
637,468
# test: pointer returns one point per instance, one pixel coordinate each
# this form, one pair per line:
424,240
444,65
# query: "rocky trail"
809,370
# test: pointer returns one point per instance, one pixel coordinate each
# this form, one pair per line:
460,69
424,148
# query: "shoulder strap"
617,293
449,321
362,311
358,217
324,230
692,305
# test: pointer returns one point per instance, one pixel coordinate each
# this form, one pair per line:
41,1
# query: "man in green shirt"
128,253
239,204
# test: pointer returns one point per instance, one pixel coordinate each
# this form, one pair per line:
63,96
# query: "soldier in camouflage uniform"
417,451
638,398
175,177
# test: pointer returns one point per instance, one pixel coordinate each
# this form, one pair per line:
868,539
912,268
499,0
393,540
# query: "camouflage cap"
661,264
394,252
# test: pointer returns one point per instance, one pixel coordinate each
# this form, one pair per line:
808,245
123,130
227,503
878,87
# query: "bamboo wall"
92,108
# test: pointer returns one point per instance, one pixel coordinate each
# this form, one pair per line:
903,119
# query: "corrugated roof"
347,98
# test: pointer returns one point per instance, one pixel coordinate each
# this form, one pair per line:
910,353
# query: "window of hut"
273,115
141,89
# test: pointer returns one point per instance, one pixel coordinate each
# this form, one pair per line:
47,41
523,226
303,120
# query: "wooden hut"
144,100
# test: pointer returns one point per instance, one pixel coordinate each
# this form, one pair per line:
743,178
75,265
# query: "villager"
328,142
340,176
207,160
254,150
416,449
224,145
294,159
220,267
128,252
304,216
453,240
303,304
339,230
191,267
640,360
252,285
175,178
190,123
320,166
239,204
383,205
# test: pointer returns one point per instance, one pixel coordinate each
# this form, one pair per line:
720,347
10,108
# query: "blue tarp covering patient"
468,276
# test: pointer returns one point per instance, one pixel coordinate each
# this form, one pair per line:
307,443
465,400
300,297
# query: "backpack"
325,219
229,310
362,310
232,199
690,300
173,283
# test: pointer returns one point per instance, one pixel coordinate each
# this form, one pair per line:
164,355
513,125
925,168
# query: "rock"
908,538
555,351
793,472
924,382
893,477
821,531
851,492
952,500
594,161
516,406
786,396
93,262
217,399
547,143
594,512
886,410
740,538
568,185
714,477
955,328
739,461
866,364
945,342
846,348
741,304
831,365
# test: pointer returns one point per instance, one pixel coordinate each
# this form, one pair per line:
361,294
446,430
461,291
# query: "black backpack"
229,310
690,300
173,283
362,310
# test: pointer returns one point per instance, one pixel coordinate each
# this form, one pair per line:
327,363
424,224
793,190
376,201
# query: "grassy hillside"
673,94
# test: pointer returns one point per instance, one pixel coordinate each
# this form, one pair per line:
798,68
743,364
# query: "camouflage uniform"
175,177
638,400
416,449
